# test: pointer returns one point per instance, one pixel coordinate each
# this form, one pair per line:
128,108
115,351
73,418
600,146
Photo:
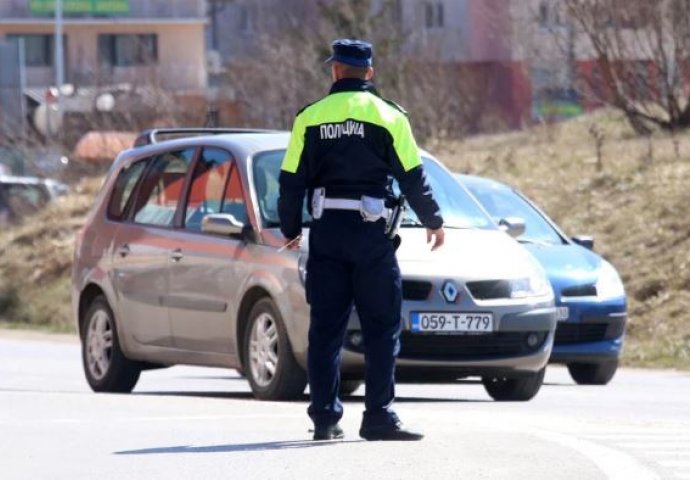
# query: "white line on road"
681,452
654,444
674,463
614,464
675,436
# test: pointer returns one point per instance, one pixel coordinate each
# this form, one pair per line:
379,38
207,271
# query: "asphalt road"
187,422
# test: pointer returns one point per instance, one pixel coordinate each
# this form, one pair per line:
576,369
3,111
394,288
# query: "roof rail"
149,137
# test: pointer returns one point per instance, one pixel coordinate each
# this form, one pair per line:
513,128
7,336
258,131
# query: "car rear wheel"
270,365
105,366
593,373
520,389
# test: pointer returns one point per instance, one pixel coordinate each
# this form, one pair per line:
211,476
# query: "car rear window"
160,191
124,186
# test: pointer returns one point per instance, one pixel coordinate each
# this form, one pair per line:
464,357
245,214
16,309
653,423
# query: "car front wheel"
520,389
105,366
270,365
593,373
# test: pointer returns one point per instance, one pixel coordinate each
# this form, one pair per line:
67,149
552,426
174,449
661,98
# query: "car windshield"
458,208
503,202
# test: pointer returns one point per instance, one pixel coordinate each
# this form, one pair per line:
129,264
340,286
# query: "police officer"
342,150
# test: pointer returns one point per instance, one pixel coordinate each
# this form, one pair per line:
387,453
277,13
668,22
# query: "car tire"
348,387
593,373
269,363
520,389
105,366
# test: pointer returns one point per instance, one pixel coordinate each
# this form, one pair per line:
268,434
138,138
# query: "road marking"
614,464
670,449
675,436
654,444
674,463
681,452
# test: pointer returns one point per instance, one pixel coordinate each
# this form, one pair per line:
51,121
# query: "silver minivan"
179,262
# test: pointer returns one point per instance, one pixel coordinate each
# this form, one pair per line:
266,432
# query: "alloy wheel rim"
99,344
263,350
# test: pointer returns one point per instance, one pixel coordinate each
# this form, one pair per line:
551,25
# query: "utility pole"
22,84
59,65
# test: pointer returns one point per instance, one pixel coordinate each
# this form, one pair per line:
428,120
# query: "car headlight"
609,284
534,285
302,268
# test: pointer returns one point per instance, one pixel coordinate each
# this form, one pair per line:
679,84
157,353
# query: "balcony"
103,10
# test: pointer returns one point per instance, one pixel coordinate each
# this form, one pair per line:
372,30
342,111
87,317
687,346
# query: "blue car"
588,291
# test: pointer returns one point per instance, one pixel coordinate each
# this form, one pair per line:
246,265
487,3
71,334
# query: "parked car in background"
180,262
589,293
23,196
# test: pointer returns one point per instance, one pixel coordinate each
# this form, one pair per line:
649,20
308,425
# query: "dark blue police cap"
351,52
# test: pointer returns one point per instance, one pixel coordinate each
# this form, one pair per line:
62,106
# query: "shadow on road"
225,394
305,398
242,447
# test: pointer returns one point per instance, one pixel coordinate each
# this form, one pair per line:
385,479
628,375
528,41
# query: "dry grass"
634,203
635,207
36,259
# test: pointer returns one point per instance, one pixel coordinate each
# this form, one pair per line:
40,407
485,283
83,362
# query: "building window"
543,14
245,19
434,14
122,50
550,15
38,49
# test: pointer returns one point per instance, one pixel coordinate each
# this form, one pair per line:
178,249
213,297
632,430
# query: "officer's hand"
438,236
293,244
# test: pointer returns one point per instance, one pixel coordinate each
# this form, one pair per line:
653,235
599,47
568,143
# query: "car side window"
161,188
216,188
124,186
266,171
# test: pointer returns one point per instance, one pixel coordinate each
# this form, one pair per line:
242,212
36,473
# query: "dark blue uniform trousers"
352,262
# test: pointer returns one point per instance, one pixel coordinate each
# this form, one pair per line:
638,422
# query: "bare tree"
288,72
642,52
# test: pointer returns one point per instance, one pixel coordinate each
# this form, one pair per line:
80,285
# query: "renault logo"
450,291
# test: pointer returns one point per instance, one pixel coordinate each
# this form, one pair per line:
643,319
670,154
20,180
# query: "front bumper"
521,345
594,338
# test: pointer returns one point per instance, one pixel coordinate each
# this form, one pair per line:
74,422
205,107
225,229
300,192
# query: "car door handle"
176,255
124,250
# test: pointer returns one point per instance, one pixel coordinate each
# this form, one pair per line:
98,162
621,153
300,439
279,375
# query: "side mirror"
222,224
584,241
513,226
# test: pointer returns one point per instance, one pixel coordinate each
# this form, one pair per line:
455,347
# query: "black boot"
328,432
391,431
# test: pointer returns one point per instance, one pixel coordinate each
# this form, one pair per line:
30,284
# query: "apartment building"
527,54
112,41
473,35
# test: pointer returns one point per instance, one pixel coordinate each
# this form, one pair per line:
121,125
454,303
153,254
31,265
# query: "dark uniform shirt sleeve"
409,172
293,183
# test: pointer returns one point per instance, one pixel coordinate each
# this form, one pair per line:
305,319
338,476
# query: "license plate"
451,322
